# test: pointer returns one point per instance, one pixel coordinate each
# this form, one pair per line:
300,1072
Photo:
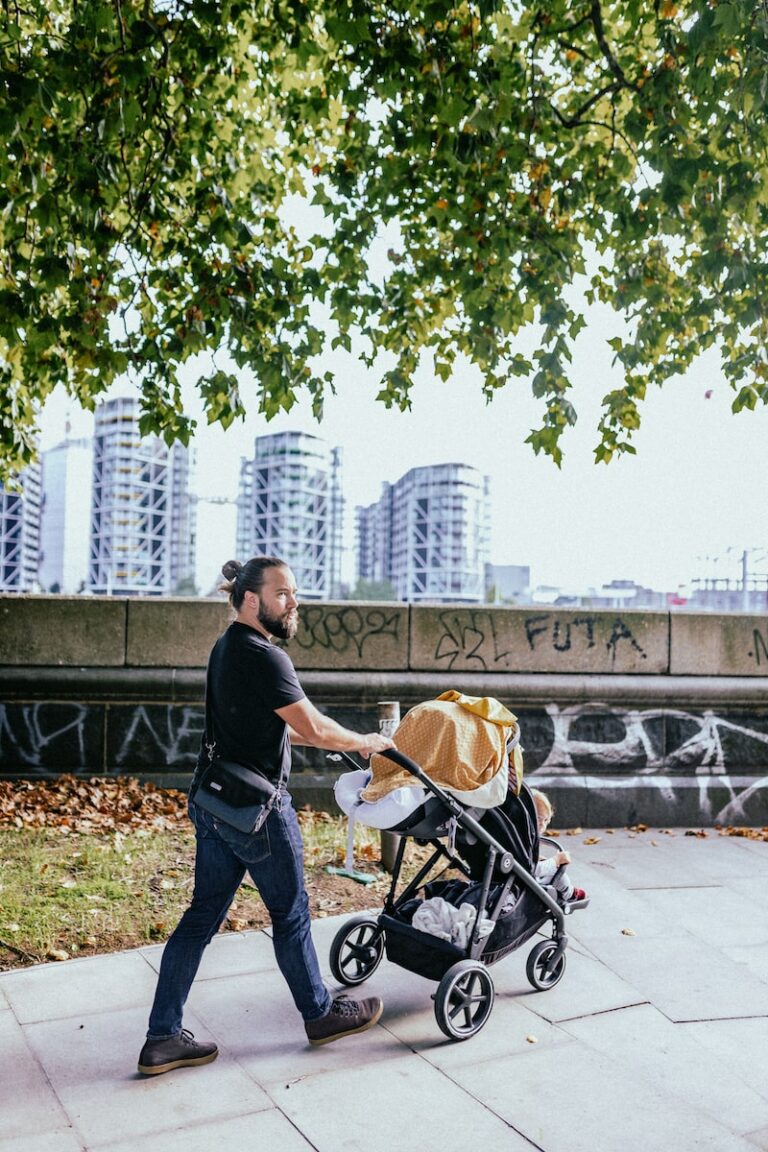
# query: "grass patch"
65,893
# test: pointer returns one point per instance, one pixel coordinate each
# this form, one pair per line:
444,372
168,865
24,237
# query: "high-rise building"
142,517
67,476
428,535
20,533
290,505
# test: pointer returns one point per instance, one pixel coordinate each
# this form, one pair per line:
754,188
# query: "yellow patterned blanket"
461,743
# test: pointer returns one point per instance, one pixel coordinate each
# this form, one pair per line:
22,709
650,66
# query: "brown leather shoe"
345,1018
181,1051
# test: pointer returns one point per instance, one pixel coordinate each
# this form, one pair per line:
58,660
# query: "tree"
373,590
151,148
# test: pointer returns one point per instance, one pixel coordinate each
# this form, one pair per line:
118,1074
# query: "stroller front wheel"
356,951
539,969
464,999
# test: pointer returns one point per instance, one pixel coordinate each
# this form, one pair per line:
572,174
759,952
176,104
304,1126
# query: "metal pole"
389,718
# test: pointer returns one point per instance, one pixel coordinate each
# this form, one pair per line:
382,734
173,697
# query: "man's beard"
279,626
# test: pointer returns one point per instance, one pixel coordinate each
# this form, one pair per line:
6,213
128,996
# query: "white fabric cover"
384,813
448,922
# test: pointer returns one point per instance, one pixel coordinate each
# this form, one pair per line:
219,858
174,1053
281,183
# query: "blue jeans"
274,857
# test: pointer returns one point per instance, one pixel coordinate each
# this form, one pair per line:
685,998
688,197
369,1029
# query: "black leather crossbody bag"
238,794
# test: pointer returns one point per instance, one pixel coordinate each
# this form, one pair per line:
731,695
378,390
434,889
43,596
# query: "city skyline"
687,506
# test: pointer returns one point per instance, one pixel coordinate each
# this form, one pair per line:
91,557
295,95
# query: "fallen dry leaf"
593,839
71,804
57,954
748,833
628,932
532,1039
699,832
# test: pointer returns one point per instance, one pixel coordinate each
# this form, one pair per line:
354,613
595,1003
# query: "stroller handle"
506,862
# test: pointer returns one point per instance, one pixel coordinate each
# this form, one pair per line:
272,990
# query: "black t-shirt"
248,678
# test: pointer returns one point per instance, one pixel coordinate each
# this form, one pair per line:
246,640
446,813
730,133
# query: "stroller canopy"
467,745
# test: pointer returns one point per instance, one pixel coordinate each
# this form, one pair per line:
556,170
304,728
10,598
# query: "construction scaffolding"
290,505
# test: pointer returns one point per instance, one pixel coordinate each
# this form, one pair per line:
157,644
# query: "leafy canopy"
151,148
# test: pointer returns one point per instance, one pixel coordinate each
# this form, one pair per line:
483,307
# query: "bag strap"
210,744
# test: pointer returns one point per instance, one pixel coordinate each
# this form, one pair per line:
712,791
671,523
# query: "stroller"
494,850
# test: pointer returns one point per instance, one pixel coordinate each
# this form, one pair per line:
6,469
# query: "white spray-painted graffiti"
175,735
69,737
41,728
702,752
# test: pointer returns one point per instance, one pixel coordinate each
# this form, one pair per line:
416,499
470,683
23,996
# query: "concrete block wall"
626,716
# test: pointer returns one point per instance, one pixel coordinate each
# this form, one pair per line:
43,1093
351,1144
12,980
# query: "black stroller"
494,850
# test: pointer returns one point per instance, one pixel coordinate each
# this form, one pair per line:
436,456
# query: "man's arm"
307,725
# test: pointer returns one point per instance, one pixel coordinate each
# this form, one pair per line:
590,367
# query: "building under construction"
20,533
428,535
142,514
290,505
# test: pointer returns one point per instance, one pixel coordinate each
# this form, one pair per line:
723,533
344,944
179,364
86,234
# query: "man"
255,709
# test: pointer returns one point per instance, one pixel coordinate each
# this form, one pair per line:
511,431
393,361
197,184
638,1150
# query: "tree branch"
596,15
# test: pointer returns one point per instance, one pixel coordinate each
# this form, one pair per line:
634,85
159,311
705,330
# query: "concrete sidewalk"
655,1039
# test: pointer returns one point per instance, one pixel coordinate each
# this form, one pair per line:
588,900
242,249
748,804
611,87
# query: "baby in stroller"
551,870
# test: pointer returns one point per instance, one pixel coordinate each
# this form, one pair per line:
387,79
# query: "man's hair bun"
231,569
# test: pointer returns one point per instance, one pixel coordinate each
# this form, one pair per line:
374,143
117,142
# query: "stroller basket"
417,951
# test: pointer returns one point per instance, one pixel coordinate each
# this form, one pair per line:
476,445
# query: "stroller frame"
465,993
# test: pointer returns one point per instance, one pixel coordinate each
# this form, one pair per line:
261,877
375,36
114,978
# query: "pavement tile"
58,1140
91,1065
261,1028
712,913
669,1058
645,863
613,909
60,990
267,1129
685,978
739,1045
569,1098
754,957
586,987
228,954
28,1106
404,1103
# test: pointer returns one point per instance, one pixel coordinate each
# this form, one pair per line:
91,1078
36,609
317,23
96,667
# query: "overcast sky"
689,504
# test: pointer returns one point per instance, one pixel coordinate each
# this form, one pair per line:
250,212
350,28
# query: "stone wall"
625,716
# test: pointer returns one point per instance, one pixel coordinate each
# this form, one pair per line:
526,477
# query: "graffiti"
161,735
30,733
538,625
74,737
619,631
594,738
759,648
465,633
342,629
471,637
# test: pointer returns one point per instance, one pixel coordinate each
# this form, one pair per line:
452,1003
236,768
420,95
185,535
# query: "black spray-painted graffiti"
759,651
345,629
472,637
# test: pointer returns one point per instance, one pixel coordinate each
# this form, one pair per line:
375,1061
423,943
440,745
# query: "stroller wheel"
357,950
538,968
464,999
